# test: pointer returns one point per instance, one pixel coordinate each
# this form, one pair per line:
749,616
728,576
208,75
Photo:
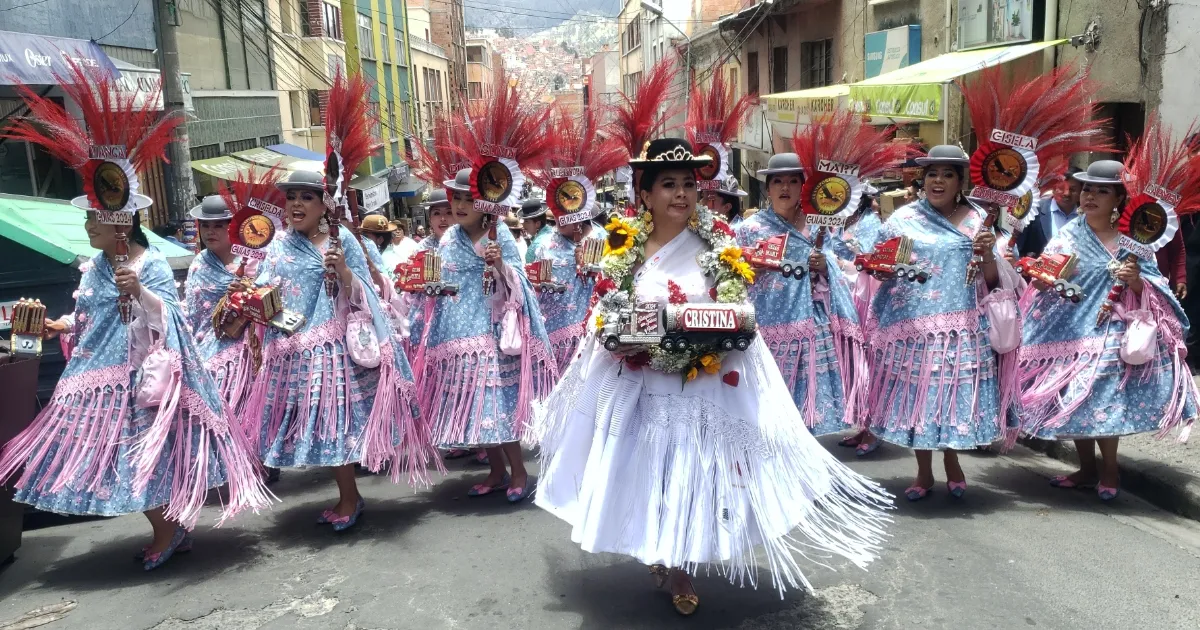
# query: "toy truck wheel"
430,290
611,344
1075,298
911,275
1070,292
681,343
727,344
859,266
668,343
786,269
742,343
1019,269
922,277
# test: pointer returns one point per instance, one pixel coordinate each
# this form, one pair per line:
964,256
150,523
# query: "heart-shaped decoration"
732,378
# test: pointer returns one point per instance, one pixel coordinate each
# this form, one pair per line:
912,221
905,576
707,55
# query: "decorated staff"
349,141
1162,181
638,119
116,140
1026,126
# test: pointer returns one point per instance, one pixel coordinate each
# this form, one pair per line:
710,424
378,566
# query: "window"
331,20
366,41
391,119
300,16
631,83
400,59
376,123
474,54
633,35
779,55
385,50
314,108
733,80
267,141
298,106
816,63
752,73
206,151
241,145
474,90
334,64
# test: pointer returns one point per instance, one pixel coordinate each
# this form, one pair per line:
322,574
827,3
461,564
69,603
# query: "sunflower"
732,256
691,373
620,236
599,322
711,363
743,269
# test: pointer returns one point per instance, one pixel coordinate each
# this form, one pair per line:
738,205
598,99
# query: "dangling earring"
323,226
1112,218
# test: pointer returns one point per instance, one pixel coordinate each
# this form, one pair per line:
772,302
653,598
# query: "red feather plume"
843,137
580,141
1057,108
504,120
437,164
110,117
1158,163
349,122
717,112
254,184
641,117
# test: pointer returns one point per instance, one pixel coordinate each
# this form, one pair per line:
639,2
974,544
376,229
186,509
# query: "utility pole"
181,193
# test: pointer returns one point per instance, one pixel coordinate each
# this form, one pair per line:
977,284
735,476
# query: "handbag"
361,340
1004,320
157,379
510,330
1141,337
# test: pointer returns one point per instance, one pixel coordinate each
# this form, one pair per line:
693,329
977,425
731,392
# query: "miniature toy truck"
1053,269
892,258
680,326
768,254
589,252
540,274
423,274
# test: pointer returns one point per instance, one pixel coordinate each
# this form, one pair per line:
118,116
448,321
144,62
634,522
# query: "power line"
22,6
123,22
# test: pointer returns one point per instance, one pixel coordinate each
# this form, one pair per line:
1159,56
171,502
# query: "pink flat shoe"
916,493
957,488
1107,494
1063,481
479,490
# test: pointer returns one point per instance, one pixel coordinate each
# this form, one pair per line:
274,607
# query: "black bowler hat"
533,208
670,153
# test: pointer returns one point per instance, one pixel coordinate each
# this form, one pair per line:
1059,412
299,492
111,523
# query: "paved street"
1014,553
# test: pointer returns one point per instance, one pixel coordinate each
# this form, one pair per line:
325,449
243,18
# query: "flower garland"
625,248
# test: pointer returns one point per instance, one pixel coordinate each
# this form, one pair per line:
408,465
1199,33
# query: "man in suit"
1053,213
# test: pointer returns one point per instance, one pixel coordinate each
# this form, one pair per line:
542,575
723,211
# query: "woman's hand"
1181,291
1131,274
1039,285
816,263
239,285
127,282
53,328
336,259
492,255
984,242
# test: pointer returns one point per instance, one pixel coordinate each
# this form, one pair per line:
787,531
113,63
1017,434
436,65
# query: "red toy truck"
423,274
1053,269
892,258
540,276
768,254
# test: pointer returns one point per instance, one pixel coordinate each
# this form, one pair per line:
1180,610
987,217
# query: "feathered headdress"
1025,122
439,162
252,193
839,152
117,138
502,134
581,156
349,121
1162,180
642,117
715,117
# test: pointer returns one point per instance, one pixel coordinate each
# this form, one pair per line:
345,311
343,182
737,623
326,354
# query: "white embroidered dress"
640,464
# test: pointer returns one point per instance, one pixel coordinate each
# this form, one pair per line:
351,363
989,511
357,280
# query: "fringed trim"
563,343
454,384
539,373
895,351
850,346
232,369
849,353
396,437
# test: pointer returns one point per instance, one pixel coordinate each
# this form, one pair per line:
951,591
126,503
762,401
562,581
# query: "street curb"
1157,483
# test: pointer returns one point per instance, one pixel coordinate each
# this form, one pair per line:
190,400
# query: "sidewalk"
1163,472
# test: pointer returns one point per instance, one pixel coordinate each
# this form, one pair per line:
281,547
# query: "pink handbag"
1004,320
361,340
1141,337
157,379
510,330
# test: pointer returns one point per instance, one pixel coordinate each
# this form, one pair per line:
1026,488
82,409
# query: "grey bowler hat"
310,180
1102,172
783,163
944,154
533,208
212,208
461,181
437,197
729,188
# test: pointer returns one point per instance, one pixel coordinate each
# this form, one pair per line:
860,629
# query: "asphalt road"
1013,554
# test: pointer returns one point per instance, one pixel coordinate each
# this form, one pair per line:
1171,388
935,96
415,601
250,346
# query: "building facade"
309,50
430,85
448,30
480,70
602,71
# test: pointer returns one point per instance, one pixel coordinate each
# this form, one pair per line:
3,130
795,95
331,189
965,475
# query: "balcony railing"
426,46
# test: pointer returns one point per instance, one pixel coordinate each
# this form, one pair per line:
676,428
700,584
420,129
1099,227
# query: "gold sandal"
685,605
660,573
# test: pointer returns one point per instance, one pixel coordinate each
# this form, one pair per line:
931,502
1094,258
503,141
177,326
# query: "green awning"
223,167
269,158
915,92
54,229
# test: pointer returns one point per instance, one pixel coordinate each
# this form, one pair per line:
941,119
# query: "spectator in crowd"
1053,214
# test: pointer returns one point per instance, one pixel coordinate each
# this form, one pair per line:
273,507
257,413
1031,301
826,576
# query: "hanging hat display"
1025,122
643,116
580,157
501,136
839,152
715,117
115,137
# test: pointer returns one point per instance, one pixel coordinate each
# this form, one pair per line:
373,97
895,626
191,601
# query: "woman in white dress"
691,456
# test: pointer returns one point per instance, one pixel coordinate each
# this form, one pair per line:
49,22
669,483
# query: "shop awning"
798,106
54,229
223,167
297,152
374,192
40,60
916,92
411,188
269,158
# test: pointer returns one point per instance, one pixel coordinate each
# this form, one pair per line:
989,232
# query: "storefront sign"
892,49
39,60
799,109
921,101
992,22
146,84
375,197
